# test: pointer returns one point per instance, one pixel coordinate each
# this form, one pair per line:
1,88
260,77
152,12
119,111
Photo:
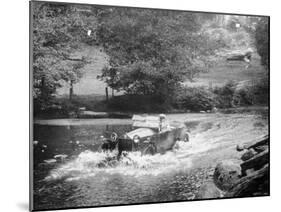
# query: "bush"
229,95
260,92
195,99
243,97
138,103
224,95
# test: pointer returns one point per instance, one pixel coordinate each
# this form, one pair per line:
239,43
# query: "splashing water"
216,137
89,163
215,134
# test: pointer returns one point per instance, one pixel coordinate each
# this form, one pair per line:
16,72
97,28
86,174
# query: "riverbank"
81,122
101,118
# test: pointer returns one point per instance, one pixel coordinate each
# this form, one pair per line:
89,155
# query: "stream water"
70,172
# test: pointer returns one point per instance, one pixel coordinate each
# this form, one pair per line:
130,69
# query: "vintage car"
150,135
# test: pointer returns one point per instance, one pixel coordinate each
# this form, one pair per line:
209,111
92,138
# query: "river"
70,172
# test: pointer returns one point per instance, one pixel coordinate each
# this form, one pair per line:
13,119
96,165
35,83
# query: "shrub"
224,95
138,103
254,94
195,99
260,92
243,97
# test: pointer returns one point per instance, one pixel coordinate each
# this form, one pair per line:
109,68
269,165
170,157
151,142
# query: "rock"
226,174
191,197
250,171
248,154
60,156
240,147
50,161
92,114
214,110
208,191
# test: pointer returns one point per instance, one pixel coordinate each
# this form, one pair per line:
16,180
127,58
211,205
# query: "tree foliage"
152,51
262,40
58,31
195,99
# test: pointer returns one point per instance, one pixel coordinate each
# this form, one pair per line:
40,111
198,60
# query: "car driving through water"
150,135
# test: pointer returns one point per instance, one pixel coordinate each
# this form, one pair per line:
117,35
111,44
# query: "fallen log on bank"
254,184
253,180
263,142
256,162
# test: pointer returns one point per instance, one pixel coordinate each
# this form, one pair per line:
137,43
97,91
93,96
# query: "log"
255,144
256,162
255,184
263,142
259,149
248,154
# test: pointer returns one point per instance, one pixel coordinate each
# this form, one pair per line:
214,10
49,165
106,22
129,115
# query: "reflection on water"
70,140
70,172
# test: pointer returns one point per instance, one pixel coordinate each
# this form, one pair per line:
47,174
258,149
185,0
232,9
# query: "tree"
262,40
71,73
58,32
152,51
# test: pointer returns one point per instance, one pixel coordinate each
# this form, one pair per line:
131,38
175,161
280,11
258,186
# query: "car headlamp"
136,139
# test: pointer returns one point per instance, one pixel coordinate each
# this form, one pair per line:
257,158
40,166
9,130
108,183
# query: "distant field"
220,74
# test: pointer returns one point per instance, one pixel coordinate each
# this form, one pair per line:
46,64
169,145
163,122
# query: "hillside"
225,71
89,84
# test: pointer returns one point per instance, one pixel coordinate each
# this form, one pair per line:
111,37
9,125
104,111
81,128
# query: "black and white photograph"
134,105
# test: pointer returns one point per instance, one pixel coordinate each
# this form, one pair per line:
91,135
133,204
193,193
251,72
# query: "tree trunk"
112,94
43,93
71,90
106,93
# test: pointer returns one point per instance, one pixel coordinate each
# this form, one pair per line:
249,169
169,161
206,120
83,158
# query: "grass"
229,71
89,84
93,102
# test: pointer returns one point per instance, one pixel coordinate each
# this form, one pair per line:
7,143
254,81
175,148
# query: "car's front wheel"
150,150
